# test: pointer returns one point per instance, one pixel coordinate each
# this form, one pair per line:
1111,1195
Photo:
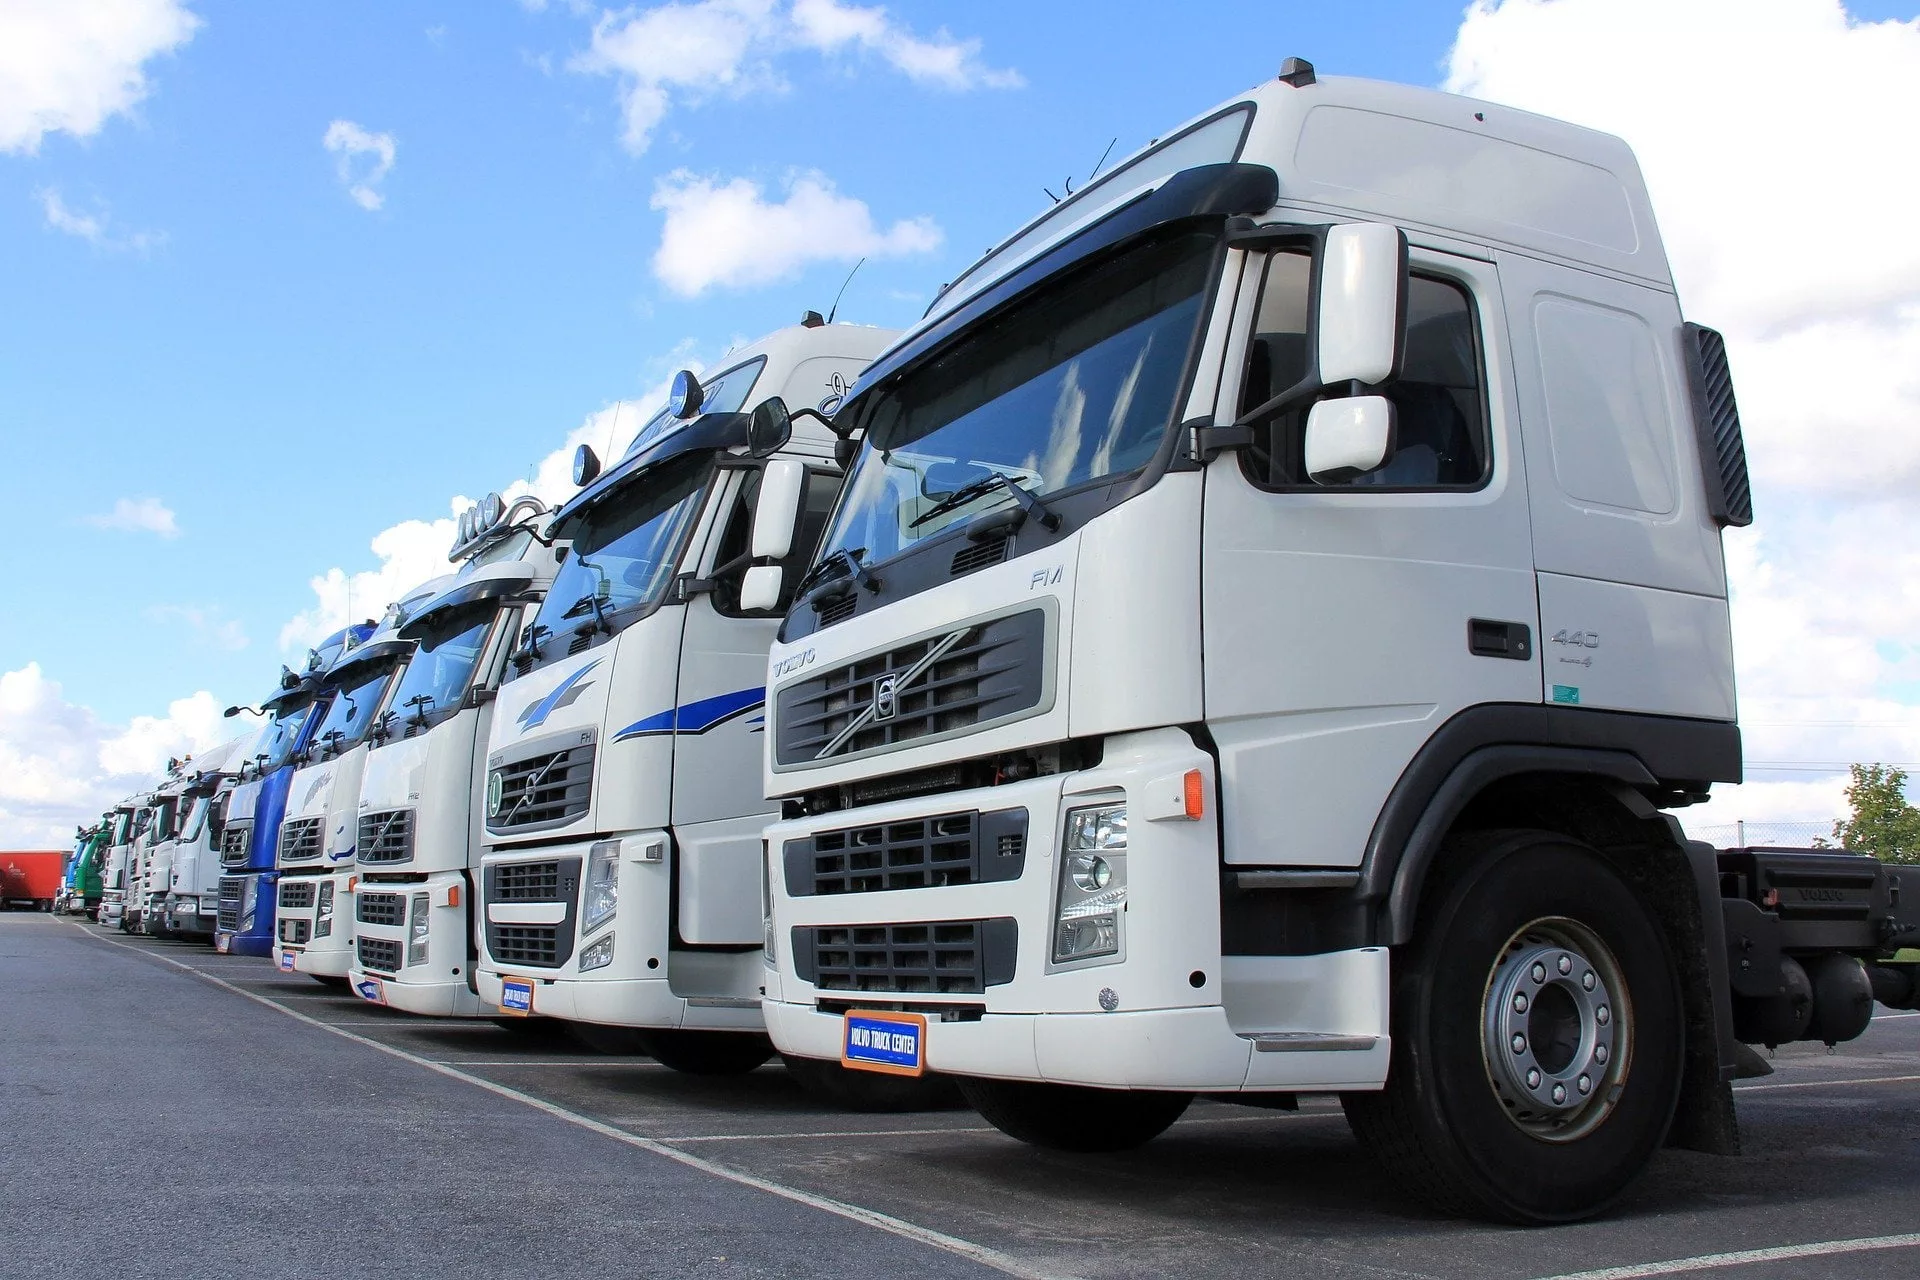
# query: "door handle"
1489,639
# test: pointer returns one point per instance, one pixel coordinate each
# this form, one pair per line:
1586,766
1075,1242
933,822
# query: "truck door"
1344,623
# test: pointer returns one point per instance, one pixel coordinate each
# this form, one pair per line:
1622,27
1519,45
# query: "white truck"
117,892
189,907
313,924
423,791
153,856
621,879
1276,599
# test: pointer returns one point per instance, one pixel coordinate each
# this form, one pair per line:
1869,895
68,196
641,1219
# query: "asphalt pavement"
168,1112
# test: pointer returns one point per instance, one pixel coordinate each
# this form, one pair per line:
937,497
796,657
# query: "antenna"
834,310
613,427
349,599
1102,160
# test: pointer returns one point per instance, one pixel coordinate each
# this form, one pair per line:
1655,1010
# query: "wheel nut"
1539,972
1533,1079
1600,1054
1586,980
1603,1015
1586,1085
1519,1043
1566,964
1559,1094
1520,1002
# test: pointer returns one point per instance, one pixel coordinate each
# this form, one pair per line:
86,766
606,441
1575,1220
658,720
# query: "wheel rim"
1557,1029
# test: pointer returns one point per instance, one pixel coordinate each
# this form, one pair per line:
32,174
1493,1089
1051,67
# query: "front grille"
543,790
295,894
542,946
232,890
387,836
233,844
300,839
296,932
378,953
380,908
916,853
941,957
936,685
529,944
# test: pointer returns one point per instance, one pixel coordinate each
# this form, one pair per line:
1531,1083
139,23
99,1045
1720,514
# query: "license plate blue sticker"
516,996
286,962
370,989
221,943
892,1043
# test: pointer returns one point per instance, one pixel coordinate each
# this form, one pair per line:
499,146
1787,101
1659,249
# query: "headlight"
766,902
249,899
417,931
603,886
597,956
323,911
1092,894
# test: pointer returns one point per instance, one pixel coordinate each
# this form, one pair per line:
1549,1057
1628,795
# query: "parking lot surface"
168,1111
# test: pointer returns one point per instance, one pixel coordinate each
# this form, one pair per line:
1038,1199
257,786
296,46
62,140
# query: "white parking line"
1823,1084
1746,1257
920,1133
980,1253
539,1062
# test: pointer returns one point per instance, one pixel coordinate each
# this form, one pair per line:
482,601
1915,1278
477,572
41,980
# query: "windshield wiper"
578,607
980,488
848,562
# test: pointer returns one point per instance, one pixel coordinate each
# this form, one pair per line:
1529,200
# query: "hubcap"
1557,1029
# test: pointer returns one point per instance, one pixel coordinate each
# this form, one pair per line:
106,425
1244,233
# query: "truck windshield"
279,741
1073,385
624,551
355,699
196,821
440,669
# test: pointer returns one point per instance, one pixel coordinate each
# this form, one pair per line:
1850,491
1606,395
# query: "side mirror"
1350,437
777,509
231,712
687,395
586,465
760,587
770,427
1363,303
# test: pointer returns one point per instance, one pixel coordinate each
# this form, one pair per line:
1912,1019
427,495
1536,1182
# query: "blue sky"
233,360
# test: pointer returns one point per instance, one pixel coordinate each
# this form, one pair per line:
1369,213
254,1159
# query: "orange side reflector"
353,882
1196,795
453,895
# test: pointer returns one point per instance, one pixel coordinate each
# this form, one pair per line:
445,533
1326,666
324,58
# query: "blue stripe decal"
697,717
536,715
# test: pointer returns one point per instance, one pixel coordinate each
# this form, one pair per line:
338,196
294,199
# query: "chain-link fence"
1784,835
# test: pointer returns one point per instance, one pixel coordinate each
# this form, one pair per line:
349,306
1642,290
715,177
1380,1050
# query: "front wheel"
1067,1117
707,1053
1537,1036
870,1091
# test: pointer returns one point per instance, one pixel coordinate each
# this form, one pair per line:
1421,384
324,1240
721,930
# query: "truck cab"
155,858
250,837
423,791
190,906
1275,606
620,884
82,890
313,932
130,817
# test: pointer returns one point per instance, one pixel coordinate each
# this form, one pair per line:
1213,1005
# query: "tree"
1883,824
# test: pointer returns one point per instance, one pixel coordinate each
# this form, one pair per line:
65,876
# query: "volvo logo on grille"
886,701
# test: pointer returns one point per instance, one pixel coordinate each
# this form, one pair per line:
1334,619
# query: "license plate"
286,962
893,1043
516,996
371,990
220,944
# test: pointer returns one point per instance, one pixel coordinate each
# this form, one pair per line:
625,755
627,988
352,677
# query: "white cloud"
691,51
210,626
61,765
137,515
362,159
1822,318
730,234
68,67
91,227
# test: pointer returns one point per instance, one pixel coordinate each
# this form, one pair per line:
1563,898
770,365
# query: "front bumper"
318,942
388,969
1167,1011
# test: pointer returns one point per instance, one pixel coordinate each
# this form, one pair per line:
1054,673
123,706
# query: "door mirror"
769,427
777,509
1347,438
760,588
586,465
1363,303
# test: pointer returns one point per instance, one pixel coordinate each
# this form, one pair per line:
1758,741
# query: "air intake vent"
835,609
378,953
1716,419
380,908
296,895
916,853
535,945
300,839
581,642
542,791
931,687
945,957
387,836
978,555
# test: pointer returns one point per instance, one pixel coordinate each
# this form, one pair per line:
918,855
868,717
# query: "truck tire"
1537,1036
707,1053
1066,1117
871,1091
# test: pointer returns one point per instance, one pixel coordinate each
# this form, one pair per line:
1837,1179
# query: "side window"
1439,401
816,504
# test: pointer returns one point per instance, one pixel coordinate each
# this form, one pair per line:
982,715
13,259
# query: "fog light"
597,956
1092,892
